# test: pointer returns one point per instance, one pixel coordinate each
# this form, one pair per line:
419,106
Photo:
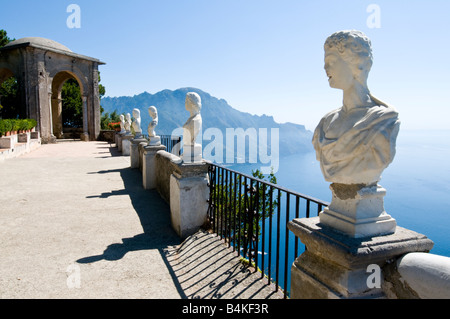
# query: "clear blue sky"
263,57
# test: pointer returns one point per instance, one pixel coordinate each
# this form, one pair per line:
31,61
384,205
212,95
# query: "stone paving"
75,222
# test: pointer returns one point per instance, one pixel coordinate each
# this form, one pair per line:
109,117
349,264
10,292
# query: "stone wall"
167,164
18,144
418,276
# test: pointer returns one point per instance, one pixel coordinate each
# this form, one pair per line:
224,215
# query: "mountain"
216,113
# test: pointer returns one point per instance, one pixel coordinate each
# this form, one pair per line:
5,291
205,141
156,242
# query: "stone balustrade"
18,144
183,185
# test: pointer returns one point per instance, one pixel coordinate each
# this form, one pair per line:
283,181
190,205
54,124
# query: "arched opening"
67,106
10,106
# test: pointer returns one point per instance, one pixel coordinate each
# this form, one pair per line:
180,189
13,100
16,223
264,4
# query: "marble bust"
137,123
153,138
192,151
127,124
122,124
356,142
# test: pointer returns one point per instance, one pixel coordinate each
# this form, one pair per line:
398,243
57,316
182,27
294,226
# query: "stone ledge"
344,249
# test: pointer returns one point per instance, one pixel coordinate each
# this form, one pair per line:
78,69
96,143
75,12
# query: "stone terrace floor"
75,222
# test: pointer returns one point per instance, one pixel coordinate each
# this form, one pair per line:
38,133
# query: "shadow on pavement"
154,216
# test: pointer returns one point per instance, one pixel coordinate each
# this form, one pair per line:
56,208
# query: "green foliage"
248,207
72,104
4,39
9,125
107,118
5,126
9,103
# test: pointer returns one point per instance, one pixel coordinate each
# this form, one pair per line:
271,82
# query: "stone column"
57,117
85,135
126,144
189,193
134,151
335,265
119,141
149,165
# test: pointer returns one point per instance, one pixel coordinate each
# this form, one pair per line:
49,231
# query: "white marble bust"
153,138
356,142
127,124
192,151
137,123
122,124
153,112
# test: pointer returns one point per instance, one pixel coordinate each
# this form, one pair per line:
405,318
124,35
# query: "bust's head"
348,54
128,117
136,113
122,118
152,111
193,102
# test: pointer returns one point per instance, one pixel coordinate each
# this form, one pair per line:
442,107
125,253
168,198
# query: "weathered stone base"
335,265
126,145
134,151
149,166
84,137
192,153
358,211
189,193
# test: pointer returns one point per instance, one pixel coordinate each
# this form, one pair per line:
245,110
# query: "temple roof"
46,44
40,42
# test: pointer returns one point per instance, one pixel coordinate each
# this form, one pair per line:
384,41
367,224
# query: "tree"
4,39
241,207
72,104
109,118
9,103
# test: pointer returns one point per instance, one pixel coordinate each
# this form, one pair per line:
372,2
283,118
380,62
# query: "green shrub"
5,126
32,123
15,125
8,125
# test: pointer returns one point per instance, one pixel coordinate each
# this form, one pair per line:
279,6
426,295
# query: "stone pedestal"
126,145
335,265
134,151
149,165
84,137
358,211
119,141
23,137
154,140
192,153
189,193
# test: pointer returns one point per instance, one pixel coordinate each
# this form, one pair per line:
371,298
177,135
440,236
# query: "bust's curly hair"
355,48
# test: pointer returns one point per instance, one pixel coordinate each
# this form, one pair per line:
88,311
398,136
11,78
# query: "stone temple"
41,66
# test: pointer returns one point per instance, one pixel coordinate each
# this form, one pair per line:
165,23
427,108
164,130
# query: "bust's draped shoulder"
360,154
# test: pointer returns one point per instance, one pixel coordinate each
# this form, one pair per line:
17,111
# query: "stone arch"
5,73
58,81
41,67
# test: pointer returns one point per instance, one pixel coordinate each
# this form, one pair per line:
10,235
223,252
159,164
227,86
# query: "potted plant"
5,127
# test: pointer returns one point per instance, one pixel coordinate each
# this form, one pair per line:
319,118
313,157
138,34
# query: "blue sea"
417,184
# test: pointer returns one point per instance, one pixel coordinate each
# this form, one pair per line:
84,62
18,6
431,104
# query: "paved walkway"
75,222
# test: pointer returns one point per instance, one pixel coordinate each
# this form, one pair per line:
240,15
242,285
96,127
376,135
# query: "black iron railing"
170,142
251,215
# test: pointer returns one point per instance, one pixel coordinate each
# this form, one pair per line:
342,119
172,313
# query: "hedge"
11,125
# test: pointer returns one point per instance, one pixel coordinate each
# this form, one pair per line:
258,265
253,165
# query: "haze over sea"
417,183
